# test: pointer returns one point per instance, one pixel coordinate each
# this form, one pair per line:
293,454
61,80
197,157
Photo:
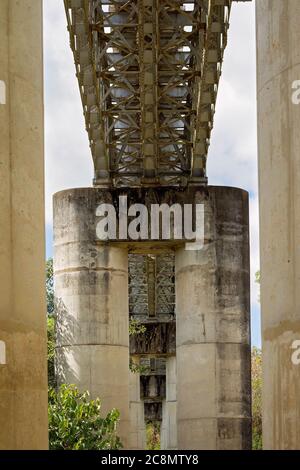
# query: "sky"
232,159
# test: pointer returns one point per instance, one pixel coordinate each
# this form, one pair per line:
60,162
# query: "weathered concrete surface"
23,376
159,338
91,290
153,411
212,332
137,440
153,386
278,66
169,408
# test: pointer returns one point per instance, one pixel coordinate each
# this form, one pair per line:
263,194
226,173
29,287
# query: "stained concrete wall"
212,331
91,294
23,376
278,67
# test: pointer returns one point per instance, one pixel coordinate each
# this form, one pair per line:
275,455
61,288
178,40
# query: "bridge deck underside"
148,74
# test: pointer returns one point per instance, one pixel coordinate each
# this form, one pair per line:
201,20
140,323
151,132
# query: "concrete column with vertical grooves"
213,335
23,337
169,408
91,291
278,76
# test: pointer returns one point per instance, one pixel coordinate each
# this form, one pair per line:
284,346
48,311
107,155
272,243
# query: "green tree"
51,351
256,364
153,436
256,379
75,422
136,327
50,322
50,286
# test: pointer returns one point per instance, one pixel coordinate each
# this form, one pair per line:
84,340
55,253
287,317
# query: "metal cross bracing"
152,286
148,74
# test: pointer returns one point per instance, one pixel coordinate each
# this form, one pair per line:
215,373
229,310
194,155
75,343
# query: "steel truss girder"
148,74
152,286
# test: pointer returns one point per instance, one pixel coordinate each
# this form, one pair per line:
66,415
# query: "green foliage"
75,422
256,364
51,350
137,368
153,436
50,286
50,322
136,328
256,360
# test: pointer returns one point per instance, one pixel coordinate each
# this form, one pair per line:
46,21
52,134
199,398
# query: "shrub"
75,422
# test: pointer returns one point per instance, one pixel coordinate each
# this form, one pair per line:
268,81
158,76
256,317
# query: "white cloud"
232,157
68,158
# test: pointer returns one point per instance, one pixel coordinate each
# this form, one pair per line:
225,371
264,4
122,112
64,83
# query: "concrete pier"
91,290
212,331
23,339
203,398
278,70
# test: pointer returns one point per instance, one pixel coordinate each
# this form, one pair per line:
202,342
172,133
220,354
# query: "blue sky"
233,153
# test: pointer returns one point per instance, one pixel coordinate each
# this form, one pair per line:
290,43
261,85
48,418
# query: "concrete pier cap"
185,200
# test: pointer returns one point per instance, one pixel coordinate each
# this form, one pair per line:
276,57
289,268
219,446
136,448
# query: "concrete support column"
213,338
278,76
137,415
23,339
91,290
169,408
